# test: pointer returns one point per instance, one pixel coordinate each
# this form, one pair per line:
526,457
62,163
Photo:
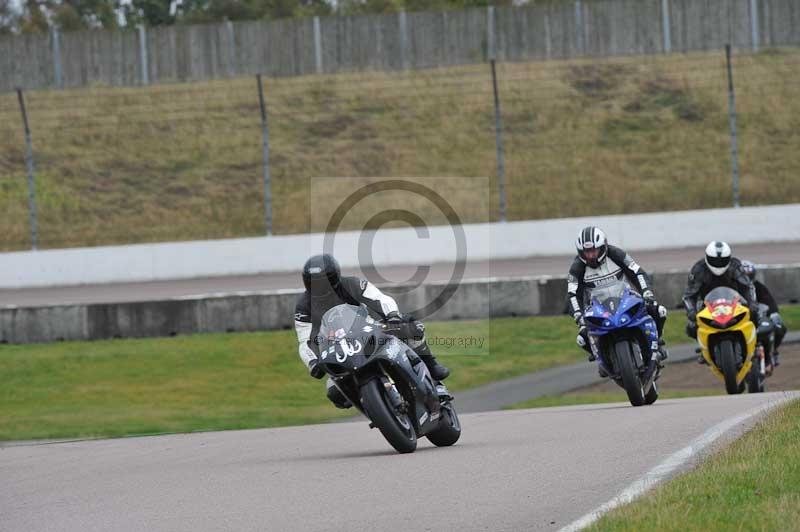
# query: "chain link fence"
577,138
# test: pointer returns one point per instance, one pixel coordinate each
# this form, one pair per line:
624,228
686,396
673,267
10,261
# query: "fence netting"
579,138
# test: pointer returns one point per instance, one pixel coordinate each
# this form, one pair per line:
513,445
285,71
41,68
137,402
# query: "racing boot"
438,372
663,354
776,359
583,342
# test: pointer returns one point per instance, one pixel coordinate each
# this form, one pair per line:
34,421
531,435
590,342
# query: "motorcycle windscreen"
721,303
609,296
340,320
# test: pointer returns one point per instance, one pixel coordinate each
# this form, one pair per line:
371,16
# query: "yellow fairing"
744,325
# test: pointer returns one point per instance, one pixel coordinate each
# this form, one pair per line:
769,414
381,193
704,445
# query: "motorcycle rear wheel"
652,395
755,382
449,430
396,427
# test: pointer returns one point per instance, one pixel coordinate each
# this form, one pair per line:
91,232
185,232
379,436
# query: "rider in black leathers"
764,297
718,268
325,289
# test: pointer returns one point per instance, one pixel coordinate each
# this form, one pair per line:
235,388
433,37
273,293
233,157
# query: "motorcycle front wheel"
395,426
729,366
630,377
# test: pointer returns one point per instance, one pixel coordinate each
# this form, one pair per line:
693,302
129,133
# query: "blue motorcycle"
624,338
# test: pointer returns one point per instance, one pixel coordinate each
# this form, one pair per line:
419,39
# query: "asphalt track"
513,470
662,260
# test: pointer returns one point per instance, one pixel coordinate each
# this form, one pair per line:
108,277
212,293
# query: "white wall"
183,260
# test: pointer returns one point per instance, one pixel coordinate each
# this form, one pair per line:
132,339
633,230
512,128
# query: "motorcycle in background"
738,353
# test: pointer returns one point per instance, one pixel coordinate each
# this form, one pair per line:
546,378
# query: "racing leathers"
354,291
764,296
702,281
617,265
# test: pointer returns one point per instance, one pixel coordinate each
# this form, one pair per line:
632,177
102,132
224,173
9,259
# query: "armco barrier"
394,246
473,299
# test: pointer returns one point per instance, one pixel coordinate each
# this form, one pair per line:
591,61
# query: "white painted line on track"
671,464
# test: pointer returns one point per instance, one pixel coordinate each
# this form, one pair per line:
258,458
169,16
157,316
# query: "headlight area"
715,324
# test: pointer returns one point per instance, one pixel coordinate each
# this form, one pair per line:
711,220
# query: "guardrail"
391,247
473,299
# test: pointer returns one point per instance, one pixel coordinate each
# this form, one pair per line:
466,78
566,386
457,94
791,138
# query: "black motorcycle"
385,380
762,360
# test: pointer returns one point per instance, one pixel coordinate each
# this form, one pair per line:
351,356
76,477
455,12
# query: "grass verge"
239,380
754,484
229,381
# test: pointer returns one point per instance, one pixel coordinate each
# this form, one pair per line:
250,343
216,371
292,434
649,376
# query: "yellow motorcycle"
729,341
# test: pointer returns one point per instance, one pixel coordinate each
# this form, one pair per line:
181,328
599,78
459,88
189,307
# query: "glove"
691,329
692,317
582,336
394,322
578,317
650,300
315,370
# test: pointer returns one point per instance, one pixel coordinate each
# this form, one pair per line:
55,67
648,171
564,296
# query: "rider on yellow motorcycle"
718,268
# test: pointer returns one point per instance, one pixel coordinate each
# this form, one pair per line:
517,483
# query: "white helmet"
718,257
592,246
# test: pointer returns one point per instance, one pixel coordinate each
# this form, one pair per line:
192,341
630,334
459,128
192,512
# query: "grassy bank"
752,485
180,162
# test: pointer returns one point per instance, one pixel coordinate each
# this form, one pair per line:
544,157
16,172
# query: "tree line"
38,16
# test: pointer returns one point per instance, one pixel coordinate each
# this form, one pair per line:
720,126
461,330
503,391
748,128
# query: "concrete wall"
274,310
185,260
394,41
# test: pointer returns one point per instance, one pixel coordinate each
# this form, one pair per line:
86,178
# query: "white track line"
671,464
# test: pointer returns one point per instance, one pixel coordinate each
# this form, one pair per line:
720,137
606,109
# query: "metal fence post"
32,213
55,36
754,24
491,47
143,55
665,24
579,27
265,152
498,137
317,45
233,68
732,122
548,41
404,55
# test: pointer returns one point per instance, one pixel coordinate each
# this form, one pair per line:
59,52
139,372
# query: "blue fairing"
618,307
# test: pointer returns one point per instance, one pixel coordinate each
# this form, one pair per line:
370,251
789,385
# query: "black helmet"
592,246
321,274
750,269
